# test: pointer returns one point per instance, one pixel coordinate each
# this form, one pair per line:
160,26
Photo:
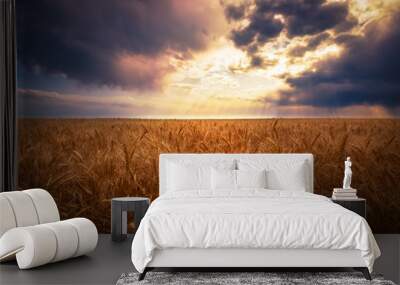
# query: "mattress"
250,219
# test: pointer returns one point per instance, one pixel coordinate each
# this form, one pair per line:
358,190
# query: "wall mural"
105,86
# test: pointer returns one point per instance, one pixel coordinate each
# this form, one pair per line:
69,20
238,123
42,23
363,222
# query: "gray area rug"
227,278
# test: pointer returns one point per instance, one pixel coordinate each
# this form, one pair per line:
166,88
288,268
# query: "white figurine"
347,174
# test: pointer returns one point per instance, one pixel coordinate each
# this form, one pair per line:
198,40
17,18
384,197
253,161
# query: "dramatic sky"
214,58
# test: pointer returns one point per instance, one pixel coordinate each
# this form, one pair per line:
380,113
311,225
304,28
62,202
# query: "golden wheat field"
86,162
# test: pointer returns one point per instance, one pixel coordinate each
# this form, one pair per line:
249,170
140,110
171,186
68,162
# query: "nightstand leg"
139,212
116,222
124,224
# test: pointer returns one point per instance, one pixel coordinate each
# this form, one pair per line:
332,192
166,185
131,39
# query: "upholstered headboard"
214,157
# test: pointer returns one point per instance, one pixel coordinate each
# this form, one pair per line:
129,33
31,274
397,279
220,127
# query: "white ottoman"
33,243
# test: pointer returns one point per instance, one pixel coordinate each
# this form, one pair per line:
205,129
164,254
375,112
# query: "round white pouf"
52,242
87,235
33,246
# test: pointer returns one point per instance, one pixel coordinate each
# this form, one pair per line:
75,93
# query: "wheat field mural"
86,162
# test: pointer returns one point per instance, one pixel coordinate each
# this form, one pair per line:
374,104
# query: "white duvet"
250,219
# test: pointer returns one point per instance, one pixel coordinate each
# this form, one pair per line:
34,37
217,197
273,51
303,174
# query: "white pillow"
251,178
281,174
288,176
188,177
223,179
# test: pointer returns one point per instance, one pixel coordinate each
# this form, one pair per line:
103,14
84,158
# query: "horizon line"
210,118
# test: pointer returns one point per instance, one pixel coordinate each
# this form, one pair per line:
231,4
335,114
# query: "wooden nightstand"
357,205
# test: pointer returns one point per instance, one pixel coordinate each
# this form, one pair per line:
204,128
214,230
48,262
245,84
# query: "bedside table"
119,208
357,205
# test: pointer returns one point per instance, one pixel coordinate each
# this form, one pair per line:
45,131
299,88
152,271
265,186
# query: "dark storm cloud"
243,37
38,103
233,12
262,27
81,39
305,17
367,72
257,61
312,43
301,18
317,40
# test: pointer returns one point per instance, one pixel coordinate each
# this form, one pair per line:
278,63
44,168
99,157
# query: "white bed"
249,227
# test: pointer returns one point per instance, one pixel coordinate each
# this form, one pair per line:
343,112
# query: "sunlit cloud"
259,58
